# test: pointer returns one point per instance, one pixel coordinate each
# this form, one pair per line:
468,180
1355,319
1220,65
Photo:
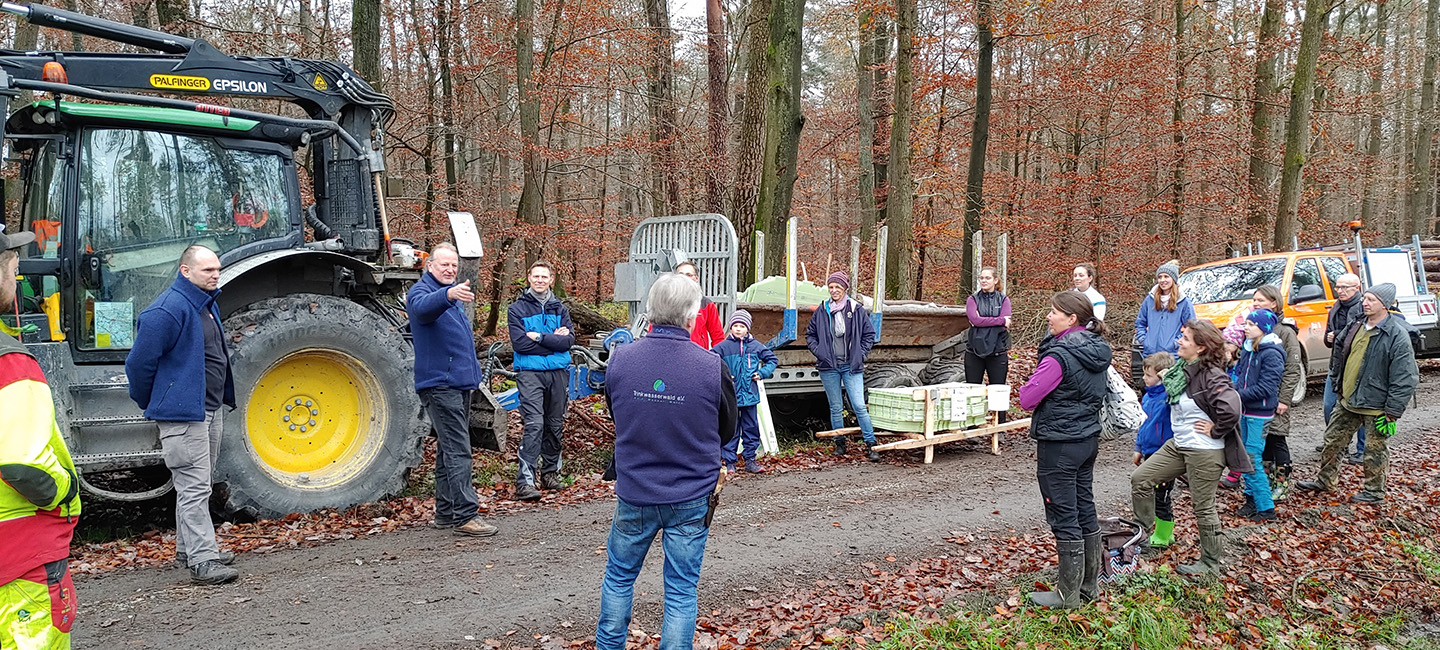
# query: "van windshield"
1234,281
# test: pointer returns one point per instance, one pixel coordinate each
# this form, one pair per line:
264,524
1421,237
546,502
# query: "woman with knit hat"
840,336
1164,312
1257,379
749,361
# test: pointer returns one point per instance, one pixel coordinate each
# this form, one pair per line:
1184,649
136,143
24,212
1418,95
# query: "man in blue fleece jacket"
447,373
674,408
540,335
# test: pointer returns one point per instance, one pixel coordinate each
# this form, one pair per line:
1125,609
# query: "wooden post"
759,256
978,241
880,269
1002,258
929,423
792,229
854,267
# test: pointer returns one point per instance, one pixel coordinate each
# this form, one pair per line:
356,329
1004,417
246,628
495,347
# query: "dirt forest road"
541,575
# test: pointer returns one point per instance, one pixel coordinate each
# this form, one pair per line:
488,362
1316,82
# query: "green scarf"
1174,380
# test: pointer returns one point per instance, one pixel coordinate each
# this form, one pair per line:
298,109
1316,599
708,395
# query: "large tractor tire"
943,370
890,375
326,414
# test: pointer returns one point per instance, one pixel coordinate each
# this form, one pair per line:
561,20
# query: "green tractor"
116,184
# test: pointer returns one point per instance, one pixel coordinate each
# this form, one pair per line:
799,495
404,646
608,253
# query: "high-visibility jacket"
39,495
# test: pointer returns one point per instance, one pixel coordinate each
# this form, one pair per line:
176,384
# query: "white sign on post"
467,236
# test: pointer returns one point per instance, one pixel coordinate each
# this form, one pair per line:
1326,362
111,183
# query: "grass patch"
1428,560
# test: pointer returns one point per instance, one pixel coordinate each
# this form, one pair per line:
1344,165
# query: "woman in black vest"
1065,394
989,313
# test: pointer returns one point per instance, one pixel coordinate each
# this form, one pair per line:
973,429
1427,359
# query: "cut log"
587,320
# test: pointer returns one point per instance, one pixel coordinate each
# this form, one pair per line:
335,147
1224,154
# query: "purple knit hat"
1234,333
839,278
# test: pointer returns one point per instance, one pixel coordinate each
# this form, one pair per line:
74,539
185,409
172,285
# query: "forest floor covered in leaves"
819,552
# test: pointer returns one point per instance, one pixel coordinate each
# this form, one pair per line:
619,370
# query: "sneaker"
225,558
1230,481
1312,486
1263,515
527,492
212,572
1368,497
551,481
476,528
1355,459
754,467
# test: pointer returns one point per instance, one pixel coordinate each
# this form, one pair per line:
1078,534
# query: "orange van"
1222,290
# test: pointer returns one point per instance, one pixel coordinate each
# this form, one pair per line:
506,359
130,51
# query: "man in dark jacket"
179,374
674,407
447,373
1346,311
540,334
1375,379
840,335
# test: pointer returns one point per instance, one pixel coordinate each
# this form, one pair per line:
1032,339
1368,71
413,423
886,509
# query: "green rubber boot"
1067,584
1164,534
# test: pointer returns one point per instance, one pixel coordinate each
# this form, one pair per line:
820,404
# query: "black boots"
1090,579
839,445
870,453
1248,509
1067,585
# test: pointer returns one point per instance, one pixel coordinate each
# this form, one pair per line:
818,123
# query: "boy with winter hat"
749,361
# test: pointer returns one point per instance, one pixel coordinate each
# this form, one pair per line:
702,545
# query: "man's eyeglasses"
1347,287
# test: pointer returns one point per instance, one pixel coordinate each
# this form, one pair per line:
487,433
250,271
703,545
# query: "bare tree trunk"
531,210
1375,136
1297,127
365,39
864,107
784,121
173,15
662,109
447,104
900,206
715,173
979,139
1177,120
880,144
750,154
1422,182
1261,171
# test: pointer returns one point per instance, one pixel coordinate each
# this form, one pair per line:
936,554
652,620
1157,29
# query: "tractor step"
83,460
98,386
112,421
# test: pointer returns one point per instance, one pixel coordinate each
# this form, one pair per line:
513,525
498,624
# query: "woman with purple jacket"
988,353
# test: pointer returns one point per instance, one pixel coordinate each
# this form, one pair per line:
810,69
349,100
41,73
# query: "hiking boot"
551,481
1263,515
753,466
870,453
526,492
1090,577
1356,458
212,572
225,558
1164,534
1312,486
1230,481
609,473
1212,553
1247,509
1067,585
1368,497
476,528
839,446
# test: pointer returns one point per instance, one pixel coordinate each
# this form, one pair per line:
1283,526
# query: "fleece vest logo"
659,385
659,396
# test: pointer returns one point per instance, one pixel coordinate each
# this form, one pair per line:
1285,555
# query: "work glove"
1385,425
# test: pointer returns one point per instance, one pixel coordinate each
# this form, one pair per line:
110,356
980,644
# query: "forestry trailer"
117,184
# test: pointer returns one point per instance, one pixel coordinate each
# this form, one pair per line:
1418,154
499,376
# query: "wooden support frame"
930,437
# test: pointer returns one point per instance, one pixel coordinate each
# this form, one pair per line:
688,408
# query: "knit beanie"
1385,293
740,316
839,278
1168,269
1264,319
1234,333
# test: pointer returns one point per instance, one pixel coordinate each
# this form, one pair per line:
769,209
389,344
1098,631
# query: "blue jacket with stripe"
745,359
552,351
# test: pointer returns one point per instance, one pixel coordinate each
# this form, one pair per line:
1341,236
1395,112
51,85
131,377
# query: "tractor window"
44,201
146,196
1233,281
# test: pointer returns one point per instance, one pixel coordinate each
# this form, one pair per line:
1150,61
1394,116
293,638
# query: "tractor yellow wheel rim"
316,418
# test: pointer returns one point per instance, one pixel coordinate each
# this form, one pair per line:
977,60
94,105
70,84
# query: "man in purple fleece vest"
674,407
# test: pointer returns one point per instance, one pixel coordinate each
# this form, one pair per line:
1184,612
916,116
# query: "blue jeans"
1331,399
1257,484
683,534
854,388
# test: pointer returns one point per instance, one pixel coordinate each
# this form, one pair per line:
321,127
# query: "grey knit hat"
1168,269
1384,292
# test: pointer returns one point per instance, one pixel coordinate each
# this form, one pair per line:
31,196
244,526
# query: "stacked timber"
1430,251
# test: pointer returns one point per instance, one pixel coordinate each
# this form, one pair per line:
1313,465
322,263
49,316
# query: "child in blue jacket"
1257,379
1153,433
749,361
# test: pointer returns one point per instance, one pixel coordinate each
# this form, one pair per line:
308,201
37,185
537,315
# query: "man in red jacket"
708,329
